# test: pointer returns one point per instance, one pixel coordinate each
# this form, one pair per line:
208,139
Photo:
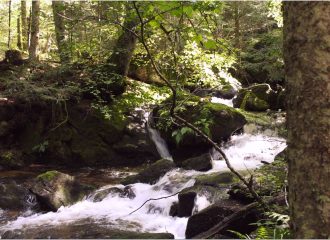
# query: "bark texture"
61,38
120,59
34,42
25,38
19,35
307,61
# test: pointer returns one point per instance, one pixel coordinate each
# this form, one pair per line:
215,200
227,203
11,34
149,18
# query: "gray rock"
200,163
55,189
152,173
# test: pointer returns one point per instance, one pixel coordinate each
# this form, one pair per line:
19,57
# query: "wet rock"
152,173
55,189
201,163
210,216
11,159
216,179
259,97
174,209
126,192
186,203
222,121
80,230
15,197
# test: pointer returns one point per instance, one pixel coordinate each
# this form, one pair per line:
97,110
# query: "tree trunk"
120,59
237,25
9,25
34,42
19,35
24,26
307,61
61,38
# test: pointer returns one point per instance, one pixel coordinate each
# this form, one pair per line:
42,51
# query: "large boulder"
71,134
217,120
259,97
144,72
152,173
210,216
199,163
55,189
15,197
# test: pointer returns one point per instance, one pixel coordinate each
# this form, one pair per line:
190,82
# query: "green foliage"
40,148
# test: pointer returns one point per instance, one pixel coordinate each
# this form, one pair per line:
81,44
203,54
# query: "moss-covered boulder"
199,163
218,121
144,72
11,159
216,179
55,189
212,215
152,173
259,97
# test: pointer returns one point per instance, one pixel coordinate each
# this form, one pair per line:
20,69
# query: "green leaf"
210,44
154,24
188,10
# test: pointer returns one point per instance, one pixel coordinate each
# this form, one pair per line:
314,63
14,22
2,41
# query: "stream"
245,152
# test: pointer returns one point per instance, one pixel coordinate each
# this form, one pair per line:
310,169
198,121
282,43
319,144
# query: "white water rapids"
244,151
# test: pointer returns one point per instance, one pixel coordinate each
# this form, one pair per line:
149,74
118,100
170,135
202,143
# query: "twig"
154,199
65,120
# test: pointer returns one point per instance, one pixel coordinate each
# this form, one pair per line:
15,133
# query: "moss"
258,118
48,176
215,179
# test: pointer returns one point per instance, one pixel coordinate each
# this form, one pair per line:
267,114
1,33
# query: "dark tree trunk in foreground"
34,42
124,49
61,39
24,25
307,60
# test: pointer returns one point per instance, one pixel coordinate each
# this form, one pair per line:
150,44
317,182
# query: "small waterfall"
157,139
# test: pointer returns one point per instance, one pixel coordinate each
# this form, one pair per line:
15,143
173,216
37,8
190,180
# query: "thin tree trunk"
307,61
120,59
9,23
19,35
61,38
24,26
237,25
34,42
29,28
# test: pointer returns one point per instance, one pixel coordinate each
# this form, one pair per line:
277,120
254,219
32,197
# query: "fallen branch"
154,199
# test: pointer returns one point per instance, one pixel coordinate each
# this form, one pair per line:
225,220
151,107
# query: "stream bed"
245,152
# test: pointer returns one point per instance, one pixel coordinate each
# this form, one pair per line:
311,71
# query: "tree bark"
19,35
120,59
307,65
9,23
34,42
61,38
24,26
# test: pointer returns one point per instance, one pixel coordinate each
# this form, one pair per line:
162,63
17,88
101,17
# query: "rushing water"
244,151
228,102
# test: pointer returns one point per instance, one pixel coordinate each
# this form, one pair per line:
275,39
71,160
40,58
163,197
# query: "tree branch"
248,184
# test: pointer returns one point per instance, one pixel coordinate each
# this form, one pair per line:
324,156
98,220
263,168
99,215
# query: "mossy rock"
152,173
200,163
55,189
216,179
259,97
218,121
11,159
